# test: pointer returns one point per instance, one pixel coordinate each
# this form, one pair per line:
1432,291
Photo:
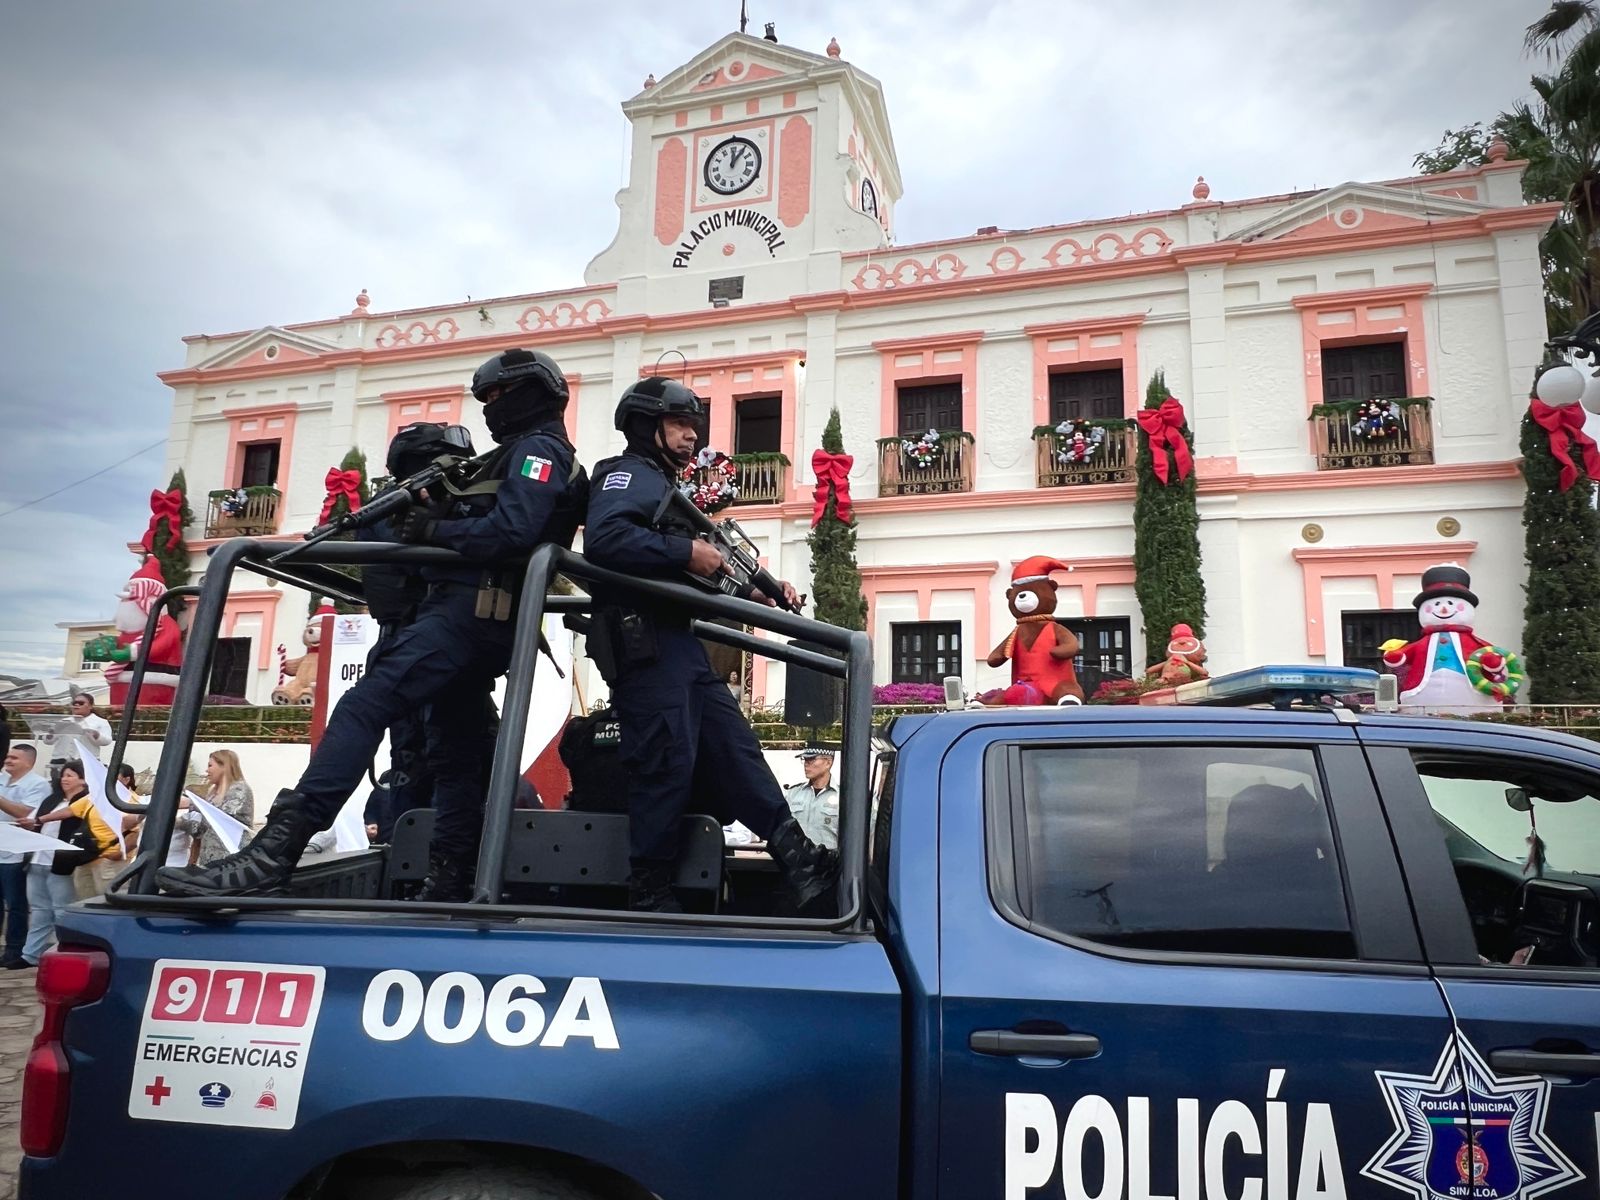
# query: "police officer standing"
684,739
531,492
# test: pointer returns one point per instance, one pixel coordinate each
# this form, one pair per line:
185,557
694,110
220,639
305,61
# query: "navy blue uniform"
448,658
687,746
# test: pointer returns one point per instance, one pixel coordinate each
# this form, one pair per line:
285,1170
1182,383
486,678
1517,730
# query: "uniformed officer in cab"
531,491
686,744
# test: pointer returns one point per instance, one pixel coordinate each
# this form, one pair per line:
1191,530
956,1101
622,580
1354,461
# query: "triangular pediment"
268,346
737,61
1356,208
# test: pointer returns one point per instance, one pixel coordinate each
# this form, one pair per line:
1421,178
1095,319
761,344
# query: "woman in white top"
92,731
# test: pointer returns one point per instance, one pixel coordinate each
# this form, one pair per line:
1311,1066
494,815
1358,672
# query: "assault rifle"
449,472
745,574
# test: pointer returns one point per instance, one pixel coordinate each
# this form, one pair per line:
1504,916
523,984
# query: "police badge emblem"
1462,1133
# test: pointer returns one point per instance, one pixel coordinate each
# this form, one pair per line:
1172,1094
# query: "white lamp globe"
1591,385
1560,386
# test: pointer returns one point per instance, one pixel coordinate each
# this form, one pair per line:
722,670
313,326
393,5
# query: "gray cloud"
188,167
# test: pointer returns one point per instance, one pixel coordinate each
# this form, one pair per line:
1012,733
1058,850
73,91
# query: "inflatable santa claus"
142,592
1450,668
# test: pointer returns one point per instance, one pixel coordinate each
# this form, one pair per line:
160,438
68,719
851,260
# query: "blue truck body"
893,1060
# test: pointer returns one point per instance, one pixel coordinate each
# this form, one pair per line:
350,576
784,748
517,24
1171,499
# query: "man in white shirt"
21,791
91,731
815,803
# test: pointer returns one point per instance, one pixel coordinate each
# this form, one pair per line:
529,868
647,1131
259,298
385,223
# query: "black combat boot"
449,880
650,888
262,867
809,870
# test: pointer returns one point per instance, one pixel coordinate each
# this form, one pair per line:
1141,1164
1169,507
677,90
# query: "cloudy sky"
177,166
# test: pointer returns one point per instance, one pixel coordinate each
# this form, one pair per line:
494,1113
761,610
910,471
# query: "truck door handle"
1044,1045
1539,1062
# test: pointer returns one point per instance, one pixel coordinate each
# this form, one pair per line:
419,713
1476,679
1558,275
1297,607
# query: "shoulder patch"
536,469
617,479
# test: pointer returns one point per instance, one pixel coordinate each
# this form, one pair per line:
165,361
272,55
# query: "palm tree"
1566,18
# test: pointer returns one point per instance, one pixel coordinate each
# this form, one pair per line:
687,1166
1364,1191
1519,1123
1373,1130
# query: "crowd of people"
53,798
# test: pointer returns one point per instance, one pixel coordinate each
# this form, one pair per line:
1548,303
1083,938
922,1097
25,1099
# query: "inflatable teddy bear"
1040,648
1185,660
301,672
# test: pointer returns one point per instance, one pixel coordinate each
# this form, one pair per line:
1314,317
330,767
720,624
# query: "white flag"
229,830
94,774
24,841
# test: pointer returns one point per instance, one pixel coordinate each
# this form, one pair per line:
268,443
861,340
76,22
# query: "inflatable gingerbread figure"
1185,660
302,672
1041,649
139,595
1450,668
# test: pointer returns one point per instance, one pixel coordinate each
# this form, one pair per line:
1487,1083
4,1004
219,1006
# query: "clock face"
733,165
869,198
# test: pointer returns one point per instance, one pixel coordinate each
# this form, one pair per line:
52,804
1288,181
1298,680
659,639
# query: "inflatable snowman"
1450,668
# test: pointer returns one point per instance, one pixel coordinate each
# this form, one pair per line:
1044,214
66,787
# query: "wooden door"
1371,372
1085,395
929,406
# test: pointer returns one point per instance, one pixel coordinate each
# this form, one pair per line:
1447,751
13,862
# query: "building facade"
755,257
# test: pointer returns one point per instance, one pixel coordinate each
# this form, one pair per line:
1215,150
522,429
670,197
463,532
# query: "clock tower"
753,168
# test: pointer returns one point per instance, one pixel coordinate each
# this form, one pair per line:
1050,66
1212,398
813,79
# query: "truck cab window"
1222,850
1525,848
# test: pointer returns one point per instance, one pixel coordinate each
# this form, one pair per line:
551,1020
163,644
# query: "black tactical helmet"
419,443
655,397
513,369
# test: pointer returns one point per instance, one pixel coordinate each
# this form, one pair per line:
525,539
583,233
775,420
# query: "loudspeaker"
810,698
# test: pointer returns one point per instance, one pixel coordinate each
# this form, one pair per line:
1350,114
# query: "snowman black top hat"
1446,580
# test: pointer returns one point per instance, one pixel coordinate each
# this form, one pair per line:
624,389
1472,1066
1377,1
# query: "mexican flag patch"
536,469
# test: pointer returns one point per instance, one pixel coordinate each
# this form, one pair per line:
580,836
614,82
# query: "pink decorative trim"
566,315
1084,335
794,171
790,99
265,423
927,370
422,404
418,333
1005,260
942,268
1364,315
924,580
1109,247
715,112
1379,563
279,353
672,190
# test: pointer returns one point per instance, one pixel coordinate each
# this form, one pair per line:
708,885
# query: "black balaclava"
518,410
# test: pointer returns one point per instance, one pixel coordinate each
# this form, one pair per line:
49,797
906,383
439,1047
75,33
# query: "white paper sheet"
94,774
229,830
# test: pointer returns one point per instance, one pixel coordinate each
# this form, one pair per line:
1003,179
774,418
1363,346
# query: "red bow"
833,473
340,483
1164,427
1565,427
167,506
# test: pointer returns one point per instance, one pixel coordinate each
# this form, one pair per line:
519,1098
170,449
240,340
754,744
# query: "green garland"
943,434
1166,543
1347,408
760,456
255,489
835,579
1108,423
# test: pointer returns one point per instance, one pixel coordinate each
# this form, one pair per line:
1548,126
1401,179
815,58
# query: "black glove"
416,525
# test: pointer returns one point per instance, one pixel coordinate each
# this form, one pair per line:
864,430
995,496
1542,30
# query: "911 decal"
225,1044
455,1007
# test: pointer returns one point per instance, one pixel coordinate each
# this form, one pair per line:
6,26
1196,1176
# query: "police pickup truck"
1190,952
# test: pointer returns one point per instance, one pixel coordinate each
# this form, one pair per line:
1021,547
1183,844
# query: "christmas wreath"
234,503
711,481
1502,690
1077,441
923,451
1376,420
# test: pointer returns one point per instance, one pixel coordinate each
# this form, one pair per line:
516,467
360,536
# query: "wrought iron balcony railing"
1084,452
938,461
1348,435
243,512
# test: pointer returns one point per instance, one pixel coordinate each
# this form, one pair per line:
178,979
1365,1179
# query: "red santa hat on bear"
1035,570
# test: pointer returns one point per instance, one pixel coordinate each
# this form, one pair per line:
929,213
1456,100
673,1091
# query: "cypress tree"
354,460
174,563
1561,539
1166,541
835,578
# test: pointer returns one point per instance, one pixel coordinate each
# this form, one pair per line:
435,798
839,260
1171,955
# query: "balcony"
1349,435
1075,453
759,478
917,466
243,512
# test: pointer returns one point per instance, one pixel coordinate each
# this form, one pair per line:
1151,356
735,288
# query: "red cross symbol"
158,1091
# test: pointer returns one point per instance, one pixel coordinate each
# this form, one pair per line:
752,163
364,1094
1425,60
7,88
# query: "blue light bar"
1279,686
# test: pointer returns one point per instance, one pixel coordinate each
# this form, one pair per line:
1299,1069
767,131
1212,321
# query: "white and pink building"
756,240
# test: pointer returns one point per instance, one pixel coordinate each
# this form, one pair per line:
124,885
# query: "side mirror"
1518,800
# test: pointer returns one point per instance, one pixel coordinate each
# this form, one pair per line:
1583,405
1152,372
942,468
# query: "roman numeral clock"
735,165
